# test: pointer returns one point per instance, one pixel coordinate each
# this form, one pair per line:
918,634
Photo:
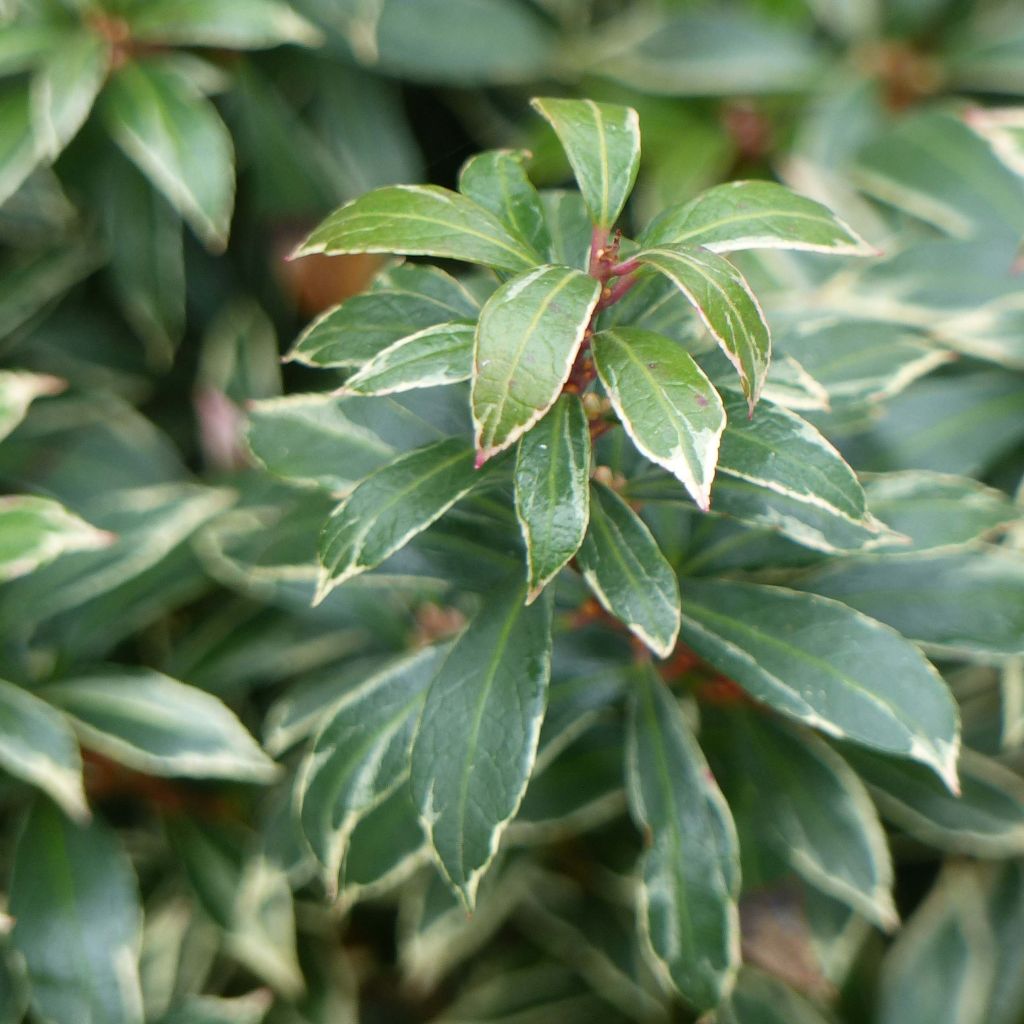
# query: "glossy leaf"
64,89
568,226
497,180
177,139
985,820
828,666
602,142
38,746
300,438
754,215
552,482
860,361
435,356
65,875
627,572
35,531
361,754
232,24
391,506
726,305
968,601
477,737
814,812
777,470
147,260
938,510
157,725
690,870
529,332
665,402
413,298
420,220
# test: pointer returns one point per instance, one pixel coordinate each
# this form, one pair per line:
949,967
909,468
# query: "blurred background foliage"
158,158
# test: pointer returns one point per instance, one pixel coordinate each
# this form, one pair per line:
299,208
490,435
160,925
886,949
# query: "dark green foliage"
612,610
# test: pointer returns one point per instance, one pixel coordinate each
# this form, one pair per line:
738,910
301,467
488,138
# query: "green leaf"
959,423
434,356
568,226
529,332
361,754
706,51
147,259
777,470
38,746
64,89
552,490
499,42
159,726
968,601
18,156
177,139
986,819
690,869
938,510
79,921
726,305
602,142
497,180
812,811
1005,897
754,215
477,738
34,531
300,438
627,572
232,24
385,848
861,361
412,298
828,666
149,524
18,389
665,402
420,220
940,969
391,506
761,998
933,166
25,43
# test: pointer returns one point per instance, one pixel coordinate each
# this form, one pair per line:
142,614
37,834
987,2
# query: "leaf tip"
323,587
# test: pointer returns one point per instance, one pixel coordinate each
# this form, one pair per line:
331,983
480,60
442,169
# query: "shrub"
631,621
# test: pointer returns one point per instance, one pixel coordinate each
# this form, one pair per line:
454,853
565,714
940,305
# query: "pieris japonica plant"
598,420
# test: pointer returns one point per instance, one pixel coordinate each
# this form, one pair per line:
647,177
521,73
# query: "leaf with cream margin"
665,402
755,215
828,666
726,305
476,741
602,142
529,332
